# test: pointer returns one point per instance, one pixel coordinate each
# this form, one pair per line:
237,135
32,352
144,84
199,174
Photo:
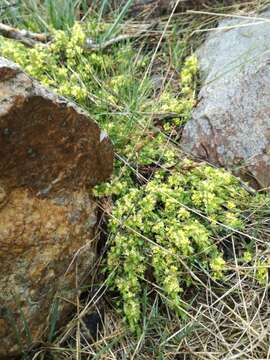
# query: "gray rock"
230,126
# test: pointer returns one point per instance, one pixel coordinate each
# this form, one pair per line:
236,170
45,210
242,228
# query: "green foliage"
43,15
173,219
258,264
62,64
62,14
183,104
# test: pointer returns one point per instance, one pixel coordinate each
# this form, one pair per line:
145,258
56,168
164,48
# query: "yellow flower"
247,257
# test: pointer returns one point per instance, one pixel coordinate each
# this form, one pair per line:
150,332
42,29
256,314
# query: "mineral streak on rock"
231,125
51,154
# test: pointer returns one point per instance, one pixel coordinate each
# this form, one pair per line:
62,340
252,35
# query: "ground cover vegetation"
185,262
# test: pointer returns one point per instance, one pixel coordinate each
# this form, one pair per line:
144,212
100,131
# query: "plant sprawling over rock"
174,219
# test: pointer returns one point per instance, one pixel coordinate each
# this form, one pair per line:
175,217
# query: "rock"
230,126
51,155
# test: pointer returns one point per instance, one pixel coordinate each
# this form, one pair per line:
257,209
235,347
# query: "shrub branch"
28,38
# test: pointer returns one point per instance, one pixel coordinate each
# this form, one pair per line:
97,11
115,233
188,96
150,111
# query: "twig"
28,38
31,39
91,46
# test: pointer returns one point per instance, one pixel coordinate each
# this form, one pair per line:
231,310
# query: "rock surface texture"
231,125
51,154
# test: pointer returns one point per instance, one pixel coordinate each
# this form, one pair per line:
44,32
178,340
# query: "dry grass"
230,322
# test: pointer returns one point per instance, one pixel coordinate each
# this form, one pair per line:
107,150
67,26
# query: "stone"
230,127
51,155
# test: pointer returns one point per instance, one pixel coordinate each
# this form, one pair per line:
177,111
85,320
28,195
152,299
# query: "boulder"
51,155
230,126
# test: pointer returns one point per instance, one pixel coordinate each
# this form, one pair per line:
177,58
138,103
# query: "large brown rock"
231,125
51,154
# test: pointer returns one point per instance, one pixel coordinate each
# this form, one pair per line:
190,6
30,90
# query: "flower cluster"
183,104
166,225
64,64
